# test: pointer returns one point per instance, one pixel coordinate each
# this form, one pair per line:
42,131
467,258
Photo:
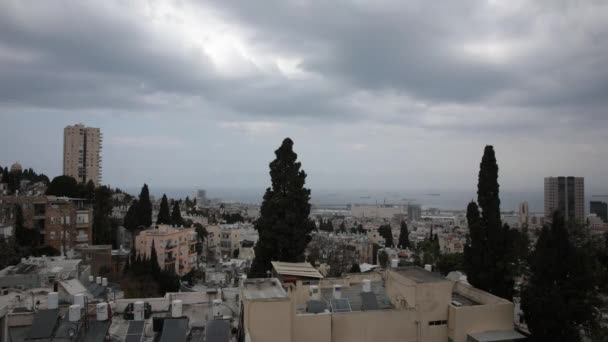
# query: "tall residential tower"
82,153
566,194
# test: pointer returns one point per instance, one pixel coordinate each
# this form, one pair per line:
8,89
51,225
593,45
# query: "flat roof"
420,275
496,336
268,288
299,269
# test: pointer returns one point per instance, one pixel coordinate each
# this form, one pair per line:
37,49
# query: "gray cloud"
359,78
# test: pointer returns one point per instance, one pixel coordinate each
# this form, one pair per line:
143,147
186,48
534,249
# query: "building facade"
175,247
224,240
61,222
600,209
566,194
82,153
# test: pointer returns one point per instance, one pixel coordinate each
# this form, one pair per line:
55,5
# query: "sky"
375,94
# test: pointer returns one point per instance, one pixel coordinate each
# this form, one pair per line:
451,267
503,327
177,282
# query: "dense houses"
61,222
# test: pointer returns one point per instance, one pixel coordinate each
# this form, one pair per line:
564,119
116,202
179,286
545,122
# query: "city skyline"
202,94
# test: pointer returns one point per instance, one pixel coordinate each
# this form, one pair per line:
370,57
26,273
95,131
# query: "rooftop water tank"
176,308
74,313
102,311
367,285
53,300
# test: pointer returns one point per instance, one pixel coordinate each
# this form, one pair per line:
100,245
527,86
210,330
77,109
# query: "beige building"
404,304
566,194
175,247
82,153
224,239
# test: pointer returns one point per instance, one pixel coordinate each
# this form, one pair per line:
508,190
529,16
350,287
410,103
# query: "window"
438,322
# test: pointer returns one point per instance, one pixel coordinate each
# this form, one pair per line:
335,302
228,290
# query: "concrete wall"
313,327
269,321
466,320
28,281
372,326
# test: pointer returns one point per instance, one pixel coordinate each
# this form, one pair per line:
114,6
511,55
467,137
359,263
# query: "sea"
443,200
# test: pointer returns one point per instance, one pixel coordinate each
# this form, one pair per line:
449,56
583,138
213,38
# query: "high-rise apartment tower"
82,153
566,194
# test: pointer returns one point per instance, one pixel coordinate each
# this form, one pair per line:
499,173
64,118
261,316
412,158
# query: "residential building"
224,239
600,209
99,257
524,214
82,153
384,211
566,194
399,304
175,247
61,222
414,212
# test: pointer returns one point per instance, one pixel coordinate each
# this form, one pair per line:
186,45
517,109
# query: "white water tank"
428,267
74,313
78,299
176,308
91,279
394,263
98,280
314,292
53,300
104,281
102,311
337,291
138,311
367,285
217,310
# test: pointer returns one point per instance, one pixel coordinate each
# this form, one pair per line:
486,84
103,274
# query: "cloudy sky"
375,94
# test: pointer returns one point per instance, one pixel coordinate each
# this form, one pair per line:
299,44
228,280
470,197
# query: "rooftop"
268,288
420,275
301,269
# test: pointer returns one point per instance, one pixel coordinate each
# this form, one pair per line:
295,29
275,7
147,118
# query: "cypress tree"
386,232
102,210
283,226
154,265
176,215
144,208
21,235
404,236
491,263
164,217
560,294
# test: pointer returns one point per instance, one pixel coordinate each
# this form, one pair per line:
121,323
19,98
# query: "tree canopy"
164,216
560,294
386,232
404,236
176,215
63,186
284,226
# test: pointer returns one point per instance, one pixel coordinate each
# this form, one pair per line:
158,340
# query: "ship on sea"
434,194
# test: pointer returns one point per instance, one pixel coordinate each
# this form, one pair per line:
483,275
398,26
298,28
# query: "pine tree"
164,217
404,239
493,260
176,215
560,294
144,208
284,226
